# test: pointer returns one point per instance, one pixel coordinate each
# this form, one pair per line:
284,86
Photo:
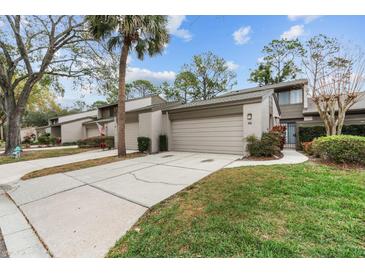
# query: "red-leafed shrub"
281,130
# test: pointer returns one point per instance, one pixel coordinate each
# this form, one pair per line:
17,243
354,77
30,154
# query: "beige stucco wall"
166,129
27,132
253,126
265,114
275,113
73,131
150,125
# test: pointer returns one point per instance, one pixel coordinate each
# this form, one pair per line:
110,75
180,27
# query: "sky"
238,39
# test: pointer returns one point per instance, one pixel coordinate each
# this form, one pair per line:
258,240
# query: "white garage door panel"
131,134
216,135
92,132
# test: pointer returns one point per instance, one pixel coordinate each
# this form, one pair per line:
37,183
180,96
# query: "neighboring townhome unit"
137,122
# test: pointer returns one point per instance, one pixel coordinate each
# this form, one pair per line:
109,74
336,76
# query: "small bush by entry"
341,149
143,144
96,142
281,129
46,139
163,145
268,146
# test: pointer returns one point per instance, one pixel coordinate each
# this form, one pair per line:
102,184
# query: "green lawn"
33,155
304,210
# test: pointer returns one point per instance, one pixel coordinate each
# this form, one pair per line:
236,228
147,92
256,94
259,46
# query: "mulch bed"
253,158
334,165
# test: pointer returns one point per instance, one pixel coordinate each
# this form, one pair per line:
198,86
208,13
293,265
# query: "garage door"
92,131
216,135
131,134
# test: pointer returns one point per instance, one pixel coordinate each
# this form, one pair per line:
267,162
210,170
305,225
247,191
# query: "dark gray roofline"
67,122
273,86
134,99
221,100
63,115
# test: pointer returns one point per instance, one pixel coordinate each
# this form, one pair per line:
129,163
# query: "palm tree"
144,34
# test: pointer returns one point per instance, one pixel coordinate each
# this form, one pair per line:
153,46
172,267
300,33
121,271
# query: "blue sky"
238,39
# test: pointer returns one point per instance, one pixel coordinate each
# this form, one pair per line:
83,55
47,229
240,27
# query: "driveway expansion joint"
38,243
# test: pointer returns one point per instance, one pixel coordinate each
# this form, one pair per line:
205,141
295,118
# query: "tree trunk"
13,132
121,101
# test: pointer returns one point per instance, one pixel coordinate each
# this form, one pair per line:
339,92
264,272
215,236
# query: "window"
284,98
296,96
290,97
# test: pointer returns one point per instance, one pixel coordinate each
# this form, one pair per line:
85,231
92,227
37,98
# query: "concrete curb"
290,157
19,237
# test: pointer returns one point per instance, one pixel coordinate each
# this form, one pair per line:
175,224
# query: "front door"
290,136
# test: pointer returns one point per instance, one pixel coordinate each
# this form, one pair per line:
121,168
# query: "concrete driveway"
82,213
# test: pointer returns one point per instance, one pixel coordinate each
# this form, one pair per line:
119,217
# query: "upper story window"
53,121
291,97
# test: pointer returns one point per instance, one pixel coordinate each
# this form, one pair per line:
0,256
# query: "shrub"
308,134
45,139
163,145
308,147
96,141
143,144
268,146
281,129
341,149
27,140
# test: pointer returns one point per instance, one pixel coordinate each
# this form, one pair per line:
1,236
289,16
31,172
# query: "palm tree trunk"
121,100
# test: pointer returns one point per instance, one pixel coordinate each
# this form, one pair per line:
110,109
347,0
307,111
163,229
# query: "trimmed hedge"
46,139
268,146
96,142
342,149
308,134
143,144
163,145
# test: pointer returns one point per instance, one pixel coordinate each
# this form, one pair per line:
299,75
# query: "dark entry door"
290,135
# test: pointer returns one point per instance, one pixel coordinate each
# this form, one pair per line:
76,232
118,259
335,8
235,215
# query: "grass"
78,165
49,153
305,210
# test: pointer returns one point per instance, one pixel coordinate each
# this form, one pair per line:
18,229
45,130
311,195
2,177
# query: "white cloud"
174,27
156,77
232,65
293,33
306,18
241,36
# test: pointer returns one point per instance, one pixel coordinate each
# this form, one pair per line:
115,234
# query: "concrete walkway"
82,213
10,173
290,157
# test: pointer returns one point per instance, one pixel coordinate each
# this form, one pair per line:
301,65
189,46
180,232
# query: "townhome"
218,125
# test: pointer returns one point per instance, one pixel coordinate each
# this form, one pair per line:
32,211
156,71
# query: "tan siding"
215,134
291,111
202,113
